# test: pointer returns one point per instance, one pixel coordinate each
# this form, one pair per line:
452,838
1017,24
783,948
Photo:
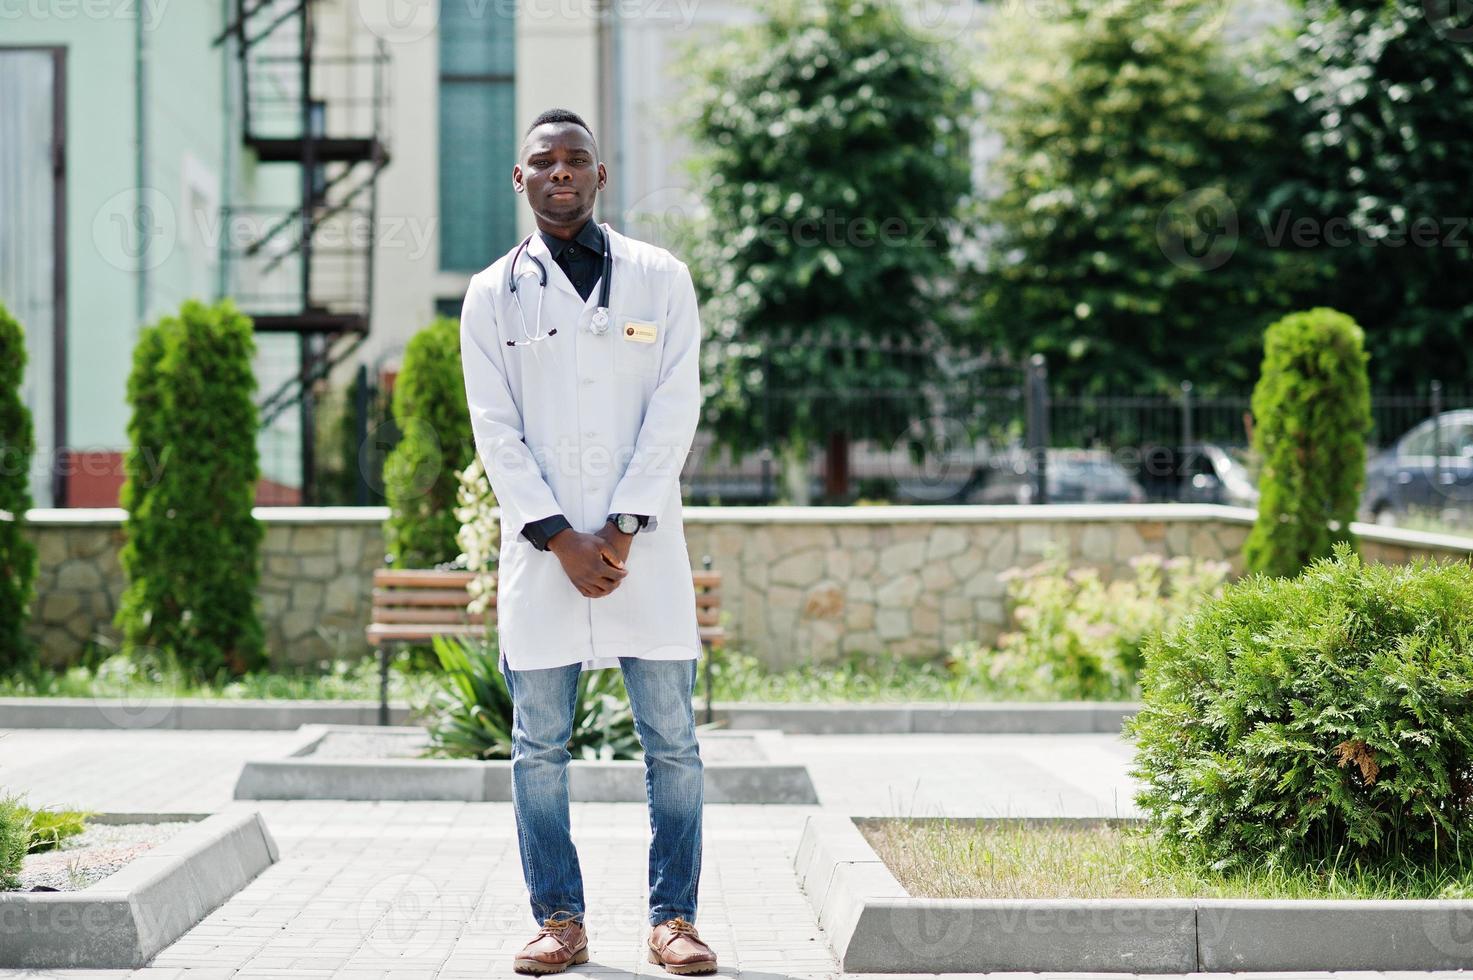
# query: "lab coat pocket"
637,345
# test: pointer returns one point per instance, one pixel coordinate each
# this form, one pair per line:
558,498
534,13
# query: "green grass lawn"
860,678
124,676
735,677
947,858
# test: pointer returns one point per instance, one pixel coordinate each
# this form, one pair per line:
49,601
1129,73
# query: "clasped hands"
593,562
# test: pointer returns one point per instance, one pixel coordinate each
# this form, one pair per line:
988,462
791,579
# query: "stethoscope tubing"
600,322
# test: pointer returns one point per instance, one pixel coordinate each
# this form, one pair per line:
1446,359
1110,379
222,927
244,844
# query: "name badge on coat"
640,333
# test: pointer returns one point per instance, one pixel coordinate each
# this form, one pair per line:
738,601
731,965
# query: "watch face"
628,523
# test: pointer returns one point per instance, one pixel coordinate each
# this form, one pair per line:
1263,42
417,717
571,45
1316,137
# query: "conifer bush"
192,550
420,479
15,840
1324,716
1312,414
17,553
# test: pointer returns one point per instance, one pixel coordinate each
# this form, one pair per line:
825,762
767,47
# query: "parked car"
1073,476
1412,474
1205,473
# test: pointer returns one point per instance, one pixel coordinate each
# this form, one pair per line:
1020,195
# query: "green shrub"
1311,414
470,716
192,550
17,553
436,442
1327,714
15,839
1078,637
50,827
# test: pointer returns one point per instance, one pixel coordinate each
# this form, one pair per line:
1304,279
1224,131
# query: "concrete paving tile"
400,891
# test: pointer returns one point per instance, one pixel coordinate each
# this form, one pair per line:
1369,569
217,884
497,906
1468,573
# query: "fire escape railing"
299,259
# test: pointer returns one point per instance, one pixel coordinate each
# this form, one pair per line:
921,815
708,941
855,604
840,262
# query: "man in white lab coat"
584,393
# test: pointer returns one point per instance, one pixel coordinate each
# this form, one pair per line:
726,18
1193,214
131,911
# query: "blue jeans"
660,693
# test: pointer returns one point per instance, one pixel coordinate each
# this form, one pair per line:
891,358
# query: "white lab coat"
586,425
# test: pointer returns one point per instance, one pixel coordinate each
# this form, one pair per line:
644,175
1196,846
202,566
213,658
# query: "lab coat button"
588,381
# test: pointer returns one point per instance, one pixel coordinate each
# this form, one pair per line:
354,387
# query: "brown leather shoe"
558,944
675,945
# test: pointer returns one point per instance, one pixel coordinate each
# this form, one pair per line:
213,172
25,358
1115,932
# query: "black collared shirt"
581,258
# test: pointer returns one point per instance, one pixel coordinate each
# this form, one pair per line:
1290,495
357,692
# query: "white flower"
479,536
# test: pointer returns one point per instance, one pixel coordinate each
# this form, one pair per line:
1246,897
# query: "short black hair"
559,116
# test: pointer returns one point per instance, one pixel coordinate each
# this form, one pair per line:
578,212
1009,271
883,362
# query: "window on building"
478,134
448,306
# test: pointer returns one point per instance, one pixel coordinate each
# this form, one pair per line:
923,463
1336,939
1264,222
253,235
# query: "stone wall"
812,584
801,584
316,579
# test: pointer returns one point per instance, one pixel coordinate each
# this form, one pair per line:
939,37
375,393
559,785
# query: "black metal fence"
970,447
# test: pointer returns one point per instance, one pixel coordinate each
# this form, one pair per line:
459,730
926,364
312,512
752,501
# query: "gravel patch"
368,745
87,858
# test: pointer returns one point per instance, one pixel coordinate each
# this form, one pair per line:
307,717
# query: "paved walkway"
871,775
408,890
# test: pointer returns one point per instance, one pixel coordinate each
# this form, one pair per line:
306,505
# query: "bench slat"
432,614
378,632
412,577
420,597
412,605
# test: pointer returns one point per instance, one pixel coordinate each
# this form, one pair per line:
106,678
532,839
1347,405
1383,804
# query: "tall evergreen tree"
1312,413
832,156
17,553
435,443
192,549
1119,240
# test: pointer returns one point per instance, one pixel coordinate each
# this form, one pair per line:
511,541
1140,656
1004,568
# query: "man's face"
560,173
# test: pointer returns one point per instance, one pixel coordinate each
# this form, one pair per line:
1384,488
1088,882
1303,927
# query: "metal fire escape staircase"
305,266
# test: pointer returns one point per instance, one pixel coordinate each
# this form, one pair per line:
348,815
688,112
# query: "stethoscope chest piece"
600,322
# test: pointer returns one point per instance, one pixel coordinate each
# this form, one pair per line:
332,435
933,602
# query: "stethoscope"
600,321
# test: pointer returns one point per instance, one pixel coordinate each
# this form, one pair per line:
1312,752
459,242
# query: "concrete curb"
300,777
189,713
124,920
843,718
874,926
927,717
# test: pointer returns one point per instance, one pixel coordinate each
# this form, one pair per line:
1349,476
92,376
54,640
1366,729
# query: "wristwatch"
628,523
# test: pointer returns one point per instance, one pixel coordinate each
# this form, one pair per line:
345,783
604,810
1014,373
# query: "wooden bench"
416,605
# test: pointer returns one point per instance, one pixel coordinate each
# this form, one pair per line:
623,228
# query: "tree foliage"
832,158
17,552
191,554
1312,414
1130,137
1376,94
435,443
